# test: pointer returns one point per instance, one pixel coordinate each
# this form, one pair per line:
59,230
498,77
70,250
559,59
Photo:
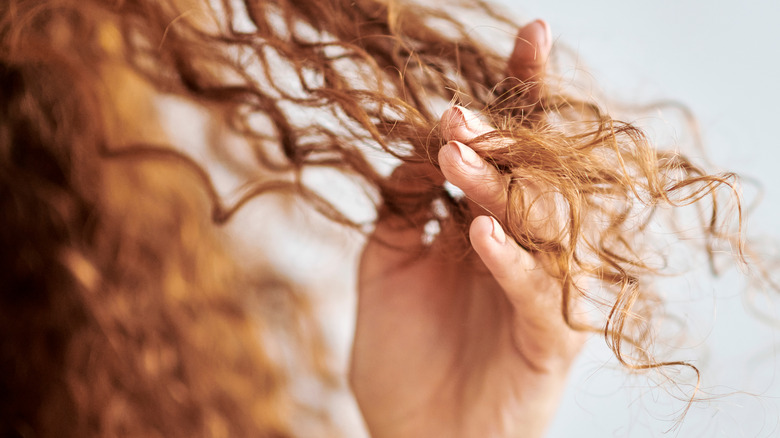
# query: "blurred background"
722,61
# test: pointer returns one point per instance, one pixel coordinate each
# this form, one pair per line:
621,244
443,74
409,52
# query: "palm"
472,346
440,341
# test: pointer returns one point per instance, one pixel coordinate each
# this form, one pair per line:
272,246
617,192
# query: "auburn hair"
123,312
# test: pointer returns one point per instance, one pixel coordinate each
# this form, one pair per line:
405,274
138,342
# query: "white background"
722,60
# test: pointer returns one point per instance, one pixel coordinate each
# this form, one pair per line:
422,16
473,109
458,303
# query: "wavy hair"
121,305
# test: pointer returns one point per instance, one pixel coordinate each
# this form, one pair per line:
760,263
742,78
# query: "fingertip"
544,35
448,153
487,237
458,161
453,124
481,228
497,233
483,243
501,255
459,123
532,48
534,41
483,185
448,159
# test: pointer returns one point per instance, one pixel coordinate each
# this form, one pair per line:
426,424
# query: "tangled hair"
121,305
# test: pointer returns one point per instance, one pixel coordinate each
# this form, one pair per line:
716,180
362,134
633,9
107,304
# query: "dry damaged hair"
122,311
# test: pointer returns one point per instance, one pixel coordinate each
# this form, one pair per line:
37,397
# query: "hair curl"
111,252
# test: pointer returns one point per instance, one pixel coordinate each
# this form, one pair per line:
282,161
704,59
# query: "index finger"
529,56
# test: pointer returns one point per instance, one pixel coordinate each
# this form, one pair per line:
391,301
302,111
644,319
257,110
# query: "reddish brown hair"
122,312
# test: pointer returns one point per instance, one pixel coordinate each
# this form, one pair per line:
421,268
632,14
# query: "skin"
472,346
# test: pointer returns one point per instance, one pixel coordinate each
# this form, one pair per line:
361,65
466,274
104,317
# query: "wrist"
527,414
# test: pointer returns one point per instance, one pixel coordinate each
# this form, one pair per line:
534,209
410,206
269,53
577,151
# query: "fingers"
512,266
529,57
483,185
534,295
541,333
532,48
458,123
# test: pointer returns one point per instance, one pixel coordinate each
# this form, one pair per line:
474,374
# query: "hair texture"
122,310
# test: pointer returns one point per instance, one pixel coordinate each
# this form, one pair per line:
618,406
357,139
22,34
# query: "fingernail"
498,232
545,37
538,32
467,155
469,120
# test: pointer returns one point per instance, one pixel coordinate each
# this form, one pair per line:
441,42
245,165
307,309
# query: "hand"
473,346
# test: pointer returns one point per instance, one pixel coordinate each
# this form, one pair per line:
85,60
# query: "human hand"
474,346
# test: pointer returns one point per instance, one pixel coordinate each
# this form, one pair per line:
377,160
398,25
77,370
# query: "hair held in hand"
303,84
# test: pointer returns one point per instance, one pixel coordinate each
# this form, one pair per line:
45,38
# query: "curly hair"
123,311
